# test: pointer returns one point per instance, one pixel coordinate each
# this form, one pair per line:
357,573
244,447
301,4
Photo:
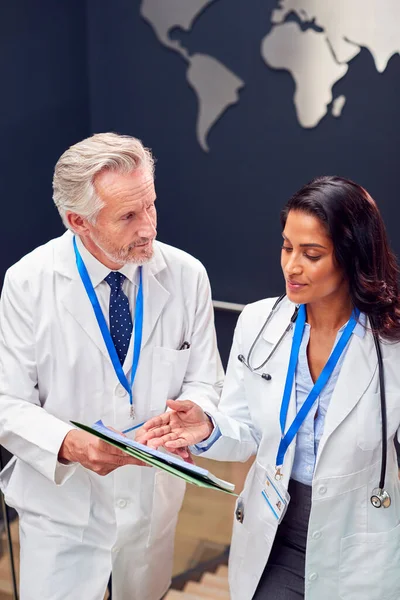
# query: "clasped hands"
184,425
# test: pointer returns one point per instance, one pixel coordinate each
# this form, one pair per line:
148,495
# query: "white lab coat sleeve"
26,429
204,374
239,437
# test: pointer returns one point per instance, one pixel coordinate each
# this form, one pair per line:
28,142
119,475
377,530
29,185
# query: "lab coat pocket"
254,531
254,509
240,537
369,566
65,506
168,373
168,496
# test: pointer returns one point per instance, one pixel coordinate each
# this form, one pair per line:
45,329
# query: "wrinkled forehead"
115,188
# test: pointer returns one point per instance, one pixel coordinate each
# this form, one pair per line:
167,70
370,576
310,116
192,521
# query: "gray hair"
76,169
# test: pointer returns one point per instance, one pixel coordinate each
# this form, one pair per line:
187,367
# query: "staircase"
212,586
6,592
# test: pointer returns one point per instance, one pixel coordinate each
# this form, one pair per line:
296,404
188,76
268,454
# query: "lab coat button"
121,391
121,503
313,576
322,490
316,535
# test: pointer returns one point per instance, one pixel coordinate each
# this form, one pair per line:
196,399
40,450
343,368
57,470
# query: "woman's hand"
186,424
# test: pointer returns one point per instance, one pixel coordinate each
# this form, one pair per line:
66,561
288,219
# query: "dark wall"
71,68
44,108
223,206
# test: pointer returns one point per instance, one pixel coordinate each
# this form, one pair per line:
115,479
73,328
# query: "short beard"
124,257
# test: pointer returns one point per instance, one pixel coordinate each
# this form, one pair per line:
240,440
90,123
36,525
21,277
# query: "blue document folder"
161,460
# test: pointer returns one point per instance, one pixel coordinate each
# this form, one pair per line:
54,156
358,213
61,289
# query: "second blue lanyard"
322,380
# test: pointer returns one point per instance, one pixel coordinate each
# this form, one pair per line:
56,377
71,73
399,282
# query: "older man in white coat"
101,323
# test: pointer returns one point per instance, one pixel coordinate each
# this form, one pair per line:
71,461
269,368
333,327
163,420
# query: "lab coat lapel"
155,297
279,321
279,362
277,367
358,369
73,294
77,303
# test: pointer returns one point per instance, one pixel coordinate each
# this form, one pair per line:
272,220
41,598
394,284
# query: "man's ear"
77,223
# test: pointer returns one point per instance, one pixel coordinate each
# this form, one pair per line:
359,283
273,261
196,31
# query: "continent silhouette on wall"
314,40
215,85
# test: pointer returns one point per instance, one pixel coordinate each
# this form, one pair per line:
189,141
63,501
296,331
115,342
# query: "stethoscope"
380,497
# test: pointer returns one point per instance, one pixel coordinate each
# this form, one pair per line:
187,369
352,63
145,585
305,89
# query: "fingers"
158,432
106,469
116,431
183,453
141,437
130,460
107,448
180,405
173,444
155,442
156,422
189,459
103,463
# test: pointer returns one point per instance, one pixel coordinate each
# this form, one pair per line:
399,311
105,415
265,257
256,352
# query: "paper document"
166,462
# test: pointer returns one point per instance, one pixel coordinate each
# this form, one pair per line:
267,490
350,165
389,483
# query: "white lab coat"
54,367
353,549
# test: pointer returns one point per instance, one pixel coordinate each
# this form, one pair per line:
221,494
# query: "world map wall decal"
315,49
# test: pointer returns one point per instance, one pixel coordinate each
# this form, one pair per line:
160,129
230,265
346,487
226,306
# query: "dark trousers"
283,576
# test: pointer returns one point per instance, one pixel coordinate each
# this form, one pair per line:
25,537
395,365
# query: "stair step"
5,575
222,571
6,589
178,595
213,580
206,591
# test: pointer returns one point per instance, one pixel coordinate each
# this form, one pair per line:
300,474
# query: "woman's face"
308,261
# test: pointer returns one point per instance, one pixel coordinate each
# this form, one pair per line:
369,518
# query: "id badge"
275,495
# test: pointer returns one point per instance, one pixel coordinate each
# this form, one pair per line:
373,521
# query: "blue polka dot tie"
120,316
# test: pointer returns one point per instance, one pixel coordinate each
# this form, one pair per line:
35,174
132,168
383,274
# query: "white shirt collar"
98,272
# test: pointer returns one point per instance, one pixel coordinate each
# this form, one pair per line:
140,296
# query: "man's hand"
93,453
186,424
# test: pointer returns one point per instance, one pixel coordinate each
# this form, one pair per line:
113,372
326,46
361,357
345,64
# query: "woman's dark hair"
361,246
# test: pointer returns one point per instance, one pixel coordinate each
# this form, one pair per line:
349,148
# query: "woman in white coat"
306,526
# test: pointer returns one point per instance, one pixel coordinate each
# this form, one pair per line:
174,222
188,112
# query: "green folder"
161,460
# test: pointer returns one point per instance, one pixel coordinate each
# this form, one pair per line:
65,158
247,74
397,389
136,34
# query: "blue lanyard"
322,380
105,330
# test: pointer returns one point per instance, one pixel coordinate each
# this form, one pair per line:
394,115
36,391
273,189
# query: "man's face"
125,227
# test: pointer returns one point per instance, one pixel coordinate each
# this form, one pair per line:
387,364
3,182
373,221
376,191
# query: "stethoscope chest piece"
380,498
